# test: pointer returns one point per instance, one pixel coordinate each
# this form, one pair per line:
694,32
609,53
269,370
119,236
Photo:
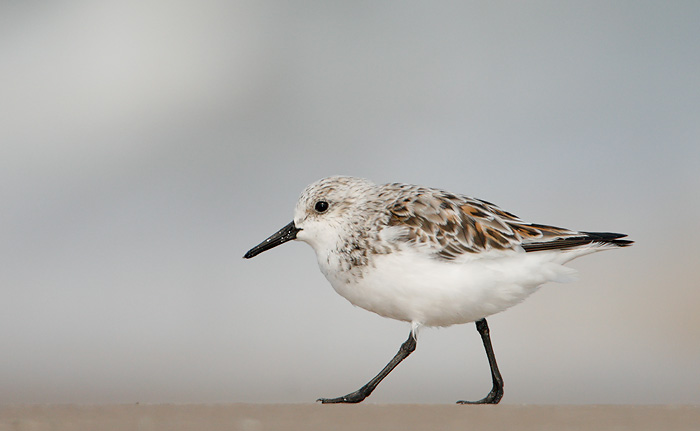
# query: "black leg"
355,397
497,391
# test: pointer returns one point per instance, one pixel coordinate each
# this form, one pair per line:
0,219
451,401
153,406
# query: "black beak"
283,235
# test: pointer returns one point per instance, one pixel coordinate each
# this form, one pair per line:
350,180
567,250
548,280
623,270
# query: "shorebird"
429,257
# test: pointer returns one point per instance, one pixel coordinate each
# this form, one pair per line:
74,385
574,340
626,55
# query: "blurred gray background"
146,145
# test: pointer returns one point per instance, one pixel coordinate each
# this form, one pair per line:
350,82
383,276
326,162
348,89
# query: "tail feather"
576,241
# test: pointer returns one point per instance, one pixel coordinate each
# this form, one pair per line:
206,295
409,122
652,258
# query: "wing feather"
456,225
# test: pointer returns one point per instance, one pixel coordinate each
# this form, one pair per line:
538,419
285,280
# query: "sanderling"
429,257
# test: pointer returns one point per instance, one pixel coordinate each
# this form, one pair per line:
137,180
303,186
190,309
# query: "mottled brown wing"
453,225
458,225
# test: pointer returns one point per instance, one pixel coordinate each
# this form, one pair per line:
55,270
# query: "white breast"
410,285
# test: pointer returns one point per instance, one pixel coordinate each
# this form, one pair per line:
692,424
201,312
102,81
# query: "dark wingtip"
622,242
568,243
610,238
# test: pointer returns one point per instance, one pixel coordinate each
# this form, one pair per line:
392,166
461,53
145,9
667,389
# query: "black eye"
321,206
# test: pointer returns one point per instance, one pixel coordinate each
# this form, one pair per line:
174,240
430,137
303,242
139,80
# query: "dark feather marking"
496,239
578,241
478,238
526,231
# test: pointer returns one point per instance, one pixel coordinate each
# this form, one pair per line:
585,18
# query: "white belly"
414,287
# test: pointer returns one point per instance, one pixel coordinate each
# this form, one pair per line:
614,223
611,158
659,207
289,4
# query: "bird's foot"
352,398
492,398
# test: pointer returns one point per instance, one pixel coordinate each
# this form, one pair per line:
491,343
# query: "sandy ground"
256,417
